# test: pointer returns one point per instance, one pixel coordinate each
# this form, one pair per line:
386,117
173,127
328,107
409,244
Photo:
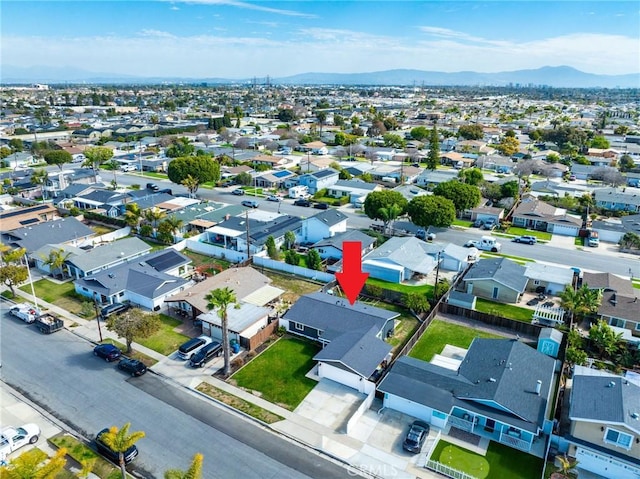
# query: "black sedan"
129,455
108,352
416,436
132,366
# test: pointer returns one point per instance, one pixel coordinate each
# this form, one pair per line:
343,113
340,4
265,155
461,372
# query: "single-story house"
501,391
535,214
498,279
360,330
399,259
331,248
618,199
62,231
319,180
355,190
552,278
487,213
324,225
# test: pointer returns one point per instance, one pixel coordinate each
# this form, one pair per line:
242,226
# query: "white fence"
366,404
320,276
108,237
210,250
447,471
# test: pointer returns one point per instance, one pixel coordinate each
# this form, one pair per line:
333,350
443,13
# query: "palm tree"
31,466
238,114
153,215
191,183
55,261
132,215
580,302
221,299
194,471
40,177
172,224
119,440
113,164
389,214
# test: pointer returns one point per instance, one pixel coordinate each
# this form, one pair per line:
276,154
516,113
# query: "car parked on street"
302,202
250,203
273,198
108,352
132,366
206,354
416,436
321,206
12,438
238,192
129,455
526,239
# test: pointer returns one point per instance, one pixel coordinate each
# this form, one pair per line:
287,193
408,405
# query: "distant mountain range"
559,77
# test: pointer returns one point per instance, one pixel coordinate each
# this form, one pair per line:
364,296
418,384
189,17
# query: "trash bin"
235,347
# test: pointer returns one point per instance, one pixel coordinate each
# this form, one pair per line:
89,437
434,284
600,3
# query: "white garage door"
565,230
407,407
340,376
605,466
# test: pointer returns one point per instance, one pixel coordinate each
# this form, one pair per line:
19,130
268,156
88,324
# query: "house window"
637,326
536,282
618,323
617,438
297,326
495,293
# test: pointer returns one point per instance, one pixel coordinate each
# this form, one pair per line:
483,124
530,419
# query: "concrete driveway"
330,404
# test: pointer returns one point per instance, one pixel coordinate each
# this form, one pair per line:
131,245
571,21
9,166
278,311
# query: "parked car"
489,224
153,187
526,239
12,438
425,235
273,198
302,202
206,354
250,203
132,366
416,436
128,168
191,347
478,223
115,308
321,206
108,352
238,192
129,455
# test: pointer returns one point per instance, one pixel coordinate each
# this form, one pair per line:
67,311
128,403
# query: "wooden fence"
260,337
518,327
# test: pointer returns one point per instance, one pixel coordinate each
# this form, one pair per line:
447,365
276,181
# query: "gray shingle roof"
593,398
51,232
350,235
109,253
330,217
501,270
494,370
359,352
334,316
408,252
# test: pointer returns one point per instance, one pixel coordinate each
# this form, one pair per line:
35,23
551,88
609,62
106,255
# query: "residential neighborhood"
202,232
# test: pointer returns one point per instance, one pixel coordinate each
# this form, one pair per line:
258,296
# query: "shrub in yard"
291,257
417,302
237,363
74,211
374,290
87,309
251,354
281,331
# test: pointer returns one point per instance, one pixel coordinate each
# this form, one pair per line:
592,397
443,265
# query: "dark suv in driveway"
416,436
129,455
206,354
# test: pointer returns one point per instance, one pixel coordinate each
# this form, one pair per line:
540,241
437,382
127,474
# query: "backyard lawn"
505,310
62,295
166,340
293,286
278,374
214,264
440,333
402,288
502,461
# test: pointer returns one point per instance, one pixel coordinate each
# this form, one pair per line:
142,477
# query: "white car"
12,438
128,168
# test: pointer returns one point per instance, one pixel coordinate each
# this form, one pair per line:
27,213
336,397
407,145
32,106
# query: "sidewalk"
360,458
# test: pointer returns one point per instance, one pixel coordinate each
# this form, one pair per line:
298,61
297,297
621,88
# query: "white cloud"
248,6
159,53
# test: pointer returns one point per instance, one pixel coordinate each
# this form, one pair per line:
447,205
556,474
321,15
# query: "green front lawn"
462,223
517,231
505,310
238,403
402,288
440,333
502,461
278,374
62,295
166,340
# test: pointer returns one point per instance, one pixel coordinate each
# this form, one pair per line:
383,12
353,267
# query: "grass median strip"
238,403
84,455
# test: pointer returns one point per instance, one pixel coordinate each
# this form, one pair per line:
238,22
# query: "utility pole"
435,286
246,219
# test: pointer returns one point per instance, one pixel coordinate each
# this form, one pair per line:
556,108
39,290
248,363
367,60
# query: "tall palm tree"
153,216
132,215
113,164
389,214
174,223
40,177
221,299
192,184
238,113
194,471
55,261
119,440
580,302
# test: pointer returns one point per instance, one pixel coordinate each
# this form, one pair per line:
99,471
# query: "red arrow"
352,278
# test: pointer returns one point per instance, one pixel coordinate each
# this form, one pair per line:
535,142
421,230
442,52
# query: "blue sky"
242,39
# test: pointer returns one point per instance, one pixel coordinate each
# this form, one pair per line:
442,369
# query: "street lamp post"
95,306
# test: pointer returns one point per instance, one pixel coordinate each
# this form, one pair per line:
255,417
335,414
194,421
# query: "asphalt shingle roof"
408,252
51,232
501,270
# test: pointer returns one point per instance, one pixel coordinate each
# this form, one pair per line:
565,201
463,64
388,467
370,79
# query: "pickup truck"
13,438
486,243
47,323
25,311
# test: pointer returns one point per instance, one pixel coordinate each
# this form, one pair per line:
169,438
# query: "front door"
489,425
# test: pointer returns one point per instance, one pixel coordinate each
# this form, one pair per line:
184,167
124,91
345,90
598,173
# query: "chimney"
538,387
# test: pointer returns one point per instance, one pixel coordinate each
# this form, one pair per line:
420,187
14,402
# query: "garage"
347,378
564,230
408,407
392,273
605,465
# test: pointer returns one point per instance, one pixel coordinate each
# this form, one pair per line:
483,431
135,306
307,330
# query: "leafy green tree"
12,272
133,323
289,239
434,150
575,356
384,205
509,189
314,261
431,210
58,158
626,163
4,152
220,299
471,176
508,146
416,302
192,168
96,156
55,261
600,142
244,178
16,145
291,257
194,471
180,147
394,141
286,114
621,130
419,133
605,339
441,288
471,132
119,440
272,250
463,196
630,240
29,465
